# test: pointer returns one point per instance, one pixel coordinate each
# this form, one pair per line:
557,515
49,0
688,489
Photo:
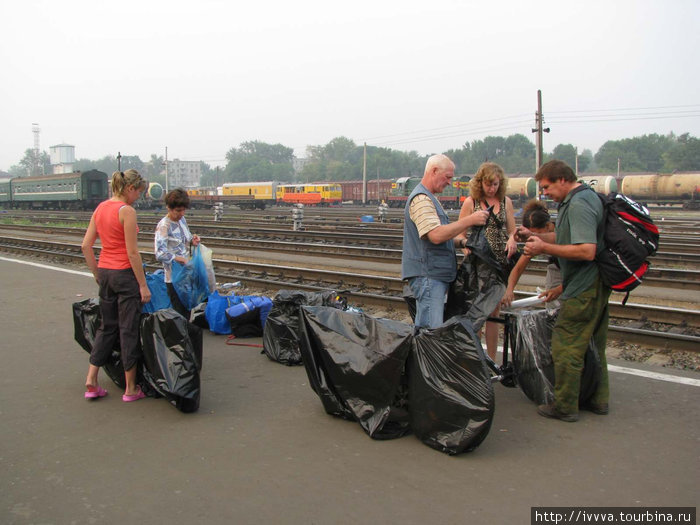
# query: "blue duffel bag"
247,318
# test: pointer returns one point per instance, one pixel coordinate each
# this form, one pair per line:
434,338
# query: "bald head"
438,174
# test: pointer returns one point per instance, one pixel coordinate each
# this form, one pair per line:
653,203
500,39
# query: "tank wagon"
155,192
664,189
65,191
153,197
521,189
604,184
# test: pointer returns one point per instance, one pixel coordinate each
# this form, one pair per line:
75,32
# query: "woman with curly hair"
488,190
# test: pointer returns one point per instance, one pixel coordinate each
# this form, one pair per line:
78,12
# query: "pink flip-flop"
93,392
134,397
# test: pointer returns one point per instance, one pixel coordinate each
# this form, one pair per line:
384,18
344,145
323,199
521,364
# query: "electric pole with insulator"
539,128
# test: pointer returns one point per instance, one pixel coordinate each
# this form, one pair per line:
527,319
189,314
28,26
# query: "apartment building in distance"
184,173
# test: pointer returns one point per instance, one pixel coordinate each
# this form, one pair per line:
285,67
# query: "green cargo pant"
580,318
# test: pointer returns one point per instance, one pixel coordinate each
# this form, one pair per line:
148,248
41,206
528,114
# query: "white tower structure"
38,167
62,158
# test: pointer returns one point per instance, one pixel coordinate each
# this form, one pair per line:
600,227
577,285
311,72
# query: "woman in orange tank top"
122,282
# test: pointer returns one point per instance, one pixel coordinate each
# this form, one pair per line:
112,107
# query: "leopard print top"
497,232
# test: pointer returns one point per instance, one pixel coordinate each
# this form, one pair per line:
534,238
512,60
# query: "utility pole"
618,168
539,123
119,160
364,176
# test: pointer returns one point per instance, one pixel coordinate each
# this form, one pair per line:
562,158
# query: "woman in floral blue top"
173,240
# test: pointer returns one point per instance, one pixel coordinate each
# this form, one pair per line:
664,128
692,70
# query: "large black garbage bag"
355,364
450,395
172,352
281,331
86,320
530,333
476,292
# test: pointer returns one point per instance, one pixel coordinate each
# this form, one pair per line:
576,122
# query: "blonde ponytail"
121,180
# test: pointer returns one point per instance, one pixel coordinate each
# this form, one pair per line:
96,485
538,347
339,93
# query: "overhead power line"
614,118
468,124
514,126
622,109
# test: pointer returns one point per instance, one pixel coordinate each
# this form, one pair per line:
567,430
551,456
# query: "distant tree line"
343,159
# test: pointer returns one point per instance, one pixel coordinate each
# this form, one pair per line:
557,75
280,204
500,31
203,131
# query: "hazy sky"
202,76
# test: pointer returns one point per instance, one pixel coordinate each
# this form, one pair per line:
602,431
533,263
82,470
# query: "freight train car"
153,197
313,194
377,191
249,195
604,184
5,193
451,197
521,189
245,195
74,191
664,189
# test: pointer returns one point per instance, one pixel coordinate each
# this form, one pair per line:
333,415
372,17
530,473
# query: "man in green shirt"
583,316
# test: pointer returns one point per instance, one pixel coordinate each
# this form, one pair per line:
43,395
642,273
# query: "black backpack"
630,237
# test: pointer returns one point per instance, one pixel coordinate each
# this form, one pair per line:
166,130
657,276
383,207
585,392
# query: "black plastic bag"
172,351
355,364
86,320
480,283
530,333
476,292
245,323
198,316
281,331
451,398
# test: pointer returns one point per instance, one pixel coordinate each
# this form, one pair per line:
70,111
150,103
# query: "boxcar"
64,191
377,190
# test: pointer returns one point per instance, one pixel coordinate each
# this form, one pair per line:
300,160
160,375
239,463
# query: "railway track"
681,325
687,278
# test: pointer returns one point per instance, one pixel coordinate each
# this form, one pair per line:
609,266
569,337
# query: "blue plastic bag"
215,312
159,292
191,281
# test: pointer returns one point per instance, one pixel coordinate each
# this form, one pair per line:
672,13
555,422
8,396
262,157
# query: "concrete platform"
262,450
